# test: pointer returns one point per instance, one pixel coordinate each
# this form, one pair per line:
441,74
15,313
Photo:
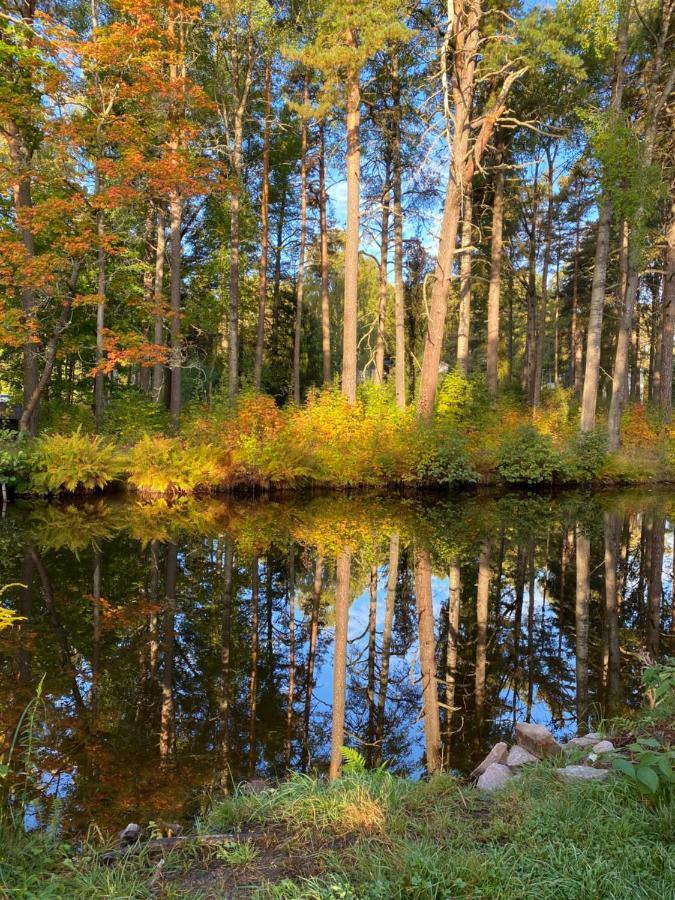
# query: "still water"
185,646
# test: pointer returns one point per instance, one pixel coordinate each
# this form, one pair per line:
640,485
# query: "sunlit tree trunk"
99,378
543,310
465,263
494,289
427,651
383,285
299,293
264,229
399,292
577,348
160,248
351,274
589,397
581,629
342,600
323,237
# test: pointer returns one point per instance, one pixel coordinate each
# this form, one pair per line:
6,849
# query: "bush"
15,462
527,457
446,460
61,417
73,462
584,456
162,465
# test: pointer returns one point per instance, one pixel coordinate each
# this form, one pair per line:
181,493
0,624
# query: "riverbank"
373,835
254,446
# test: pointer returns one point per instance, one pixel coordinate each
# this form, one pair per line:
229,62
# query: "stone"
130,834
519,756
537,740
494,777
603,747
584,740
498,754
582,773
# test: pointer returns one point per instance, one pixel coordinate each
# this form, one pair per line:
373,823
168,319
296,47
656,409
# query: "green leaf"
651,742
665,766
623,766
648,778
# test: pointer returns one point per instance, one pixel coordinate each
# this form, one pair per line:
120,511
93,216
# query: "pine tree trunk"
399,293
494,289
175,358
383,285
577,347
581,623
323,236
351,275
427,651
264,230
297,339
99,379
543,310
482,606
465,262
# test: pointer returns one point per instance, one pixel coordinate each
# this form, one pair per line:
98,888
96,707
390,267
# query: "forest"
241,239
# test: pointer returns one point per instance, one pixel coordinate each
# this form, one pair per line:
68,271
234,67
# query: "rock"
498,754
537,740
130,834
494,777
582,773
603,747
584,740
519,756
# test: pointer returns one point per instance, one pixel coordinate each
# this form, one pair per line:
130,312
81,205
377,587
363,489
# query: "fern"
353,762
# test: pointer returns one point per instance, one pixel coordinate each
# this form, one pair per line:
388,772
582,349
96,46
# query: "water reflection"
189,645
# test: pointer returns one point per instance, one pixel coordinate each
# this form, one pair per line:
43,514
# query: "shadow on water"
185,646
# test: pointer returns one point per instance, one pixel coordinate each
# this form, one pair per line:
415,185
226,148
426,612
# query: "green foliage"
461,400
584,457
352,761
445,459
650,768
15,462
73,462
527,457
658,683
59,416
131,414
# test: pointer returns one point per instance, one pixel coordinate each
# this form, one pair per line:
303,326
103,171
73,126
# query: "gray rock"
519,756
603,747
494,777
130,834
537,740
498,754
582,773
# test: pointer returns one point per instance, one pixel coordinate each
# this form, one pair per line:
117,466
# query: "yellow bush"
162,465
74,462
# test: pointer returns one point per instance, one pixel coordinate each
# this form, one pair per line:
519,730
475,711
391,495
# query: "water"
185,646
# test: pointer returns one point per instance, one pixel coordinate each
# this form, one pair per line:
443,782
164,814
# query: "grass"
374,836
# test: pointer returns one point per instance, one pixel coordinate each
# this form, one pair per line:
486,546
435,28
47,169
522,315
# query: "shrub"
461,399
527,457
73,462
163,465
15,462
446,460
584,456
59,416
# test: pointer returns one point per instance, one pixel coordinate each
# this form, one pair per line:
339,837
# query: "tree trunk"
235,206
175,358
167,730
392,577
465,262
383,283
323,231
301,259
612,527
264,229
494,288
158,368
399,294
99,378
342,599
351,275
482,601
577,346
531,327
589,397
543,311
668,321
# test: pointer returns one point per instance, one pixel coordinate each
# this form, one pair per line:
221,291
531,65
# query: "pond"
185,647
